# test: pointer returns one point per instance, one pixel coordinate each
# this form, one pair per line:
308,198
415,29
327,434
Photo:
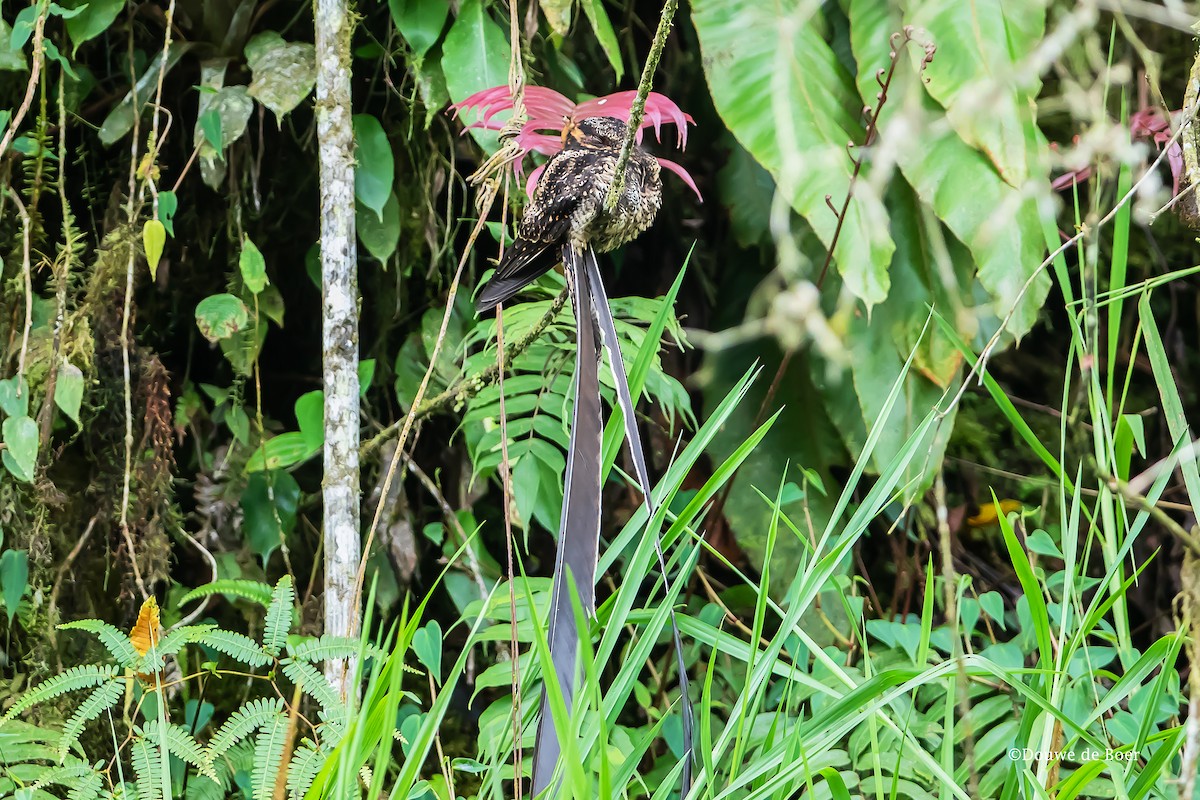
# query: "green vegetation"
917,410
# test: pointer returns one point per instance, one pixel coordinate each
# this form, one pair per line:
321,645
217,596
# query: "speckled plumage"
568,206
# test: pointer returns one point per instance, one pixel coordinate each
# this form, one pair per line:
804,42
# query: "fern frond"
99,701
85,676
181,744
203,788
237,646
82,780
155,658
254,591
268,752
148,763
317,686
279,616
114,640
87,786
327,647
242,723
306,763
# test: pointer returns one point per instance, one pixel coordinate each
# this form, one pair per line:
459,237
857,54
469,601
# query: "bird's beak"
571,131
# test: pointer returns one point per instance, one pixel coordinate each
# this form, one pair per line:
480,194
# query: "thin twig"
884,79
638,109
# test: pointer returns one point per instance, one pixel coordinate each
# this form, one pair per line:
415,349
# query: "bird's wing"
545,226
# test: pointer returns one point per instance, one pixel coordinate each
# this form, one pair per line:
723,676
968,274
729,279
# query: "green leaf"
22,27
376,167
379,233
14,580
978,48
594,10
220,316
427,643
255,591
168,204
21,450
280,452
475,56
310,416
269,510
115,641
14,396
558,14
12,60
283,73
237,646
420,22
253,267
366,374
69,390
154,238
120,120
999,224
93,19
794,107
279,616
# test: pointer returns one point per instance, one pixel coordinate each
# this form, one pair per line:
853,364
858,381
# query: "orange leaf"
146,632
990,512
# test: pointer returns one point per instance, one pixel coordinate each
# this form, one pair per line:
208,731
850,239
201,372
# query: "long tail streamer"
579,534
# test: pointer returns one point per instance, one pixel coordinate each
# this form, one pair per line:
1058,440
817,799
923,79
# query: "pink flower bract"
548,112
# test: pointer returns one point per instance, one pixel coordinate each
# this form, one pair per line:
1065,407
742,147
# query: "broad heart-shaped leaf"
68,390
475,57
14,396
93,19
420,22
558,14
310,416
427,644
14,579
283,72
269,510
376,166
1000,225
21,447
220,316
253,267
379,233
793,106
979,45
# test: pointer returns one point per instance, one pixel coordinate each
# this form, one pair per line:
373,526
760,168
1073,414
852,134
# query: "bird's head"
594,132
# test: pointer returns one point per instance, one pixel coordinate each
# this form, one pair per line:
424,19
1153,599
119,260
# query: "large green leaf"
376,166
999,224
785,96
269,510
474,57
420,22
973,73
284,72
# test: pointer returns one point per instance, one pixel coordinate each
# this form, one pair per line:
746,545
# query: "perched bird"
568,206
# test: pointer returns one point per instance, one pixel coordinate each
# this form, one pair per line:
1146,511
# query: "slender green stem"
638,109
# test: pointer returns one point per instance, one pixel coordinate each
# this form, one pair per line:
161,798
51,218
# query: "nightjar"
568,206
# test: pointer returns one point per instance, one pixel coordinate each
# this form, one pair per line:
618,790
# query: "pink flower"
547,110
1148,123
